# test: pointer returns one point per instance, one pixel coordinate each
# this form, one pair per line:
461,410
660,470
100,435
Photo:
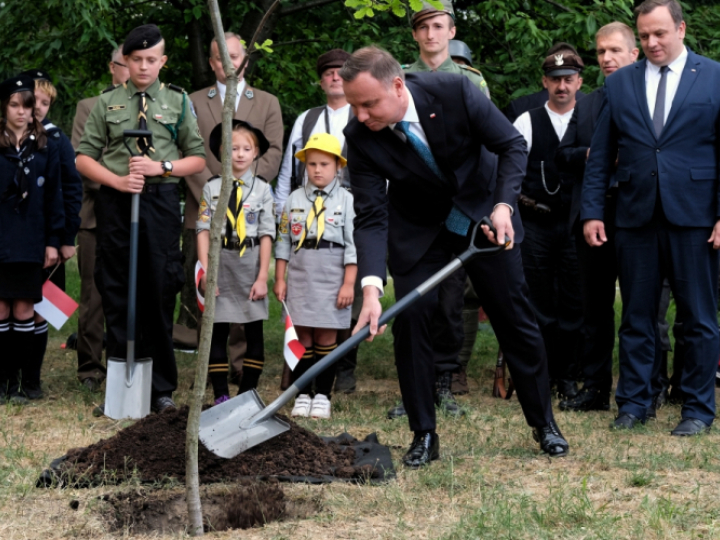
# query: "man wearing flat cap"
548,252
329,118
143,102
262,110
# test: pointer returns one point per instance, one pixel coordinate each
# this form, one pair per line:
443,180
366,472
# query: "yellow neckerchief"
316,212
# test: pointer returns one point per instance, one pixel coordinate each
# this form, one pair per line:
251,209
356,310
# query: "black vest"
542,180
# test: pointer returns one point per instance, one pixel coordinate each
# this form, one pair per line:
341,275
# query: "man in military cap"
548,252
143,102
259,108
91,322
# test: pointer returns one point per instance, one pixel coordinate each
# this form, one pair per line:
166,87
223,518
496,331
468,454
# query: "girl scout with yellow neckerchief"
244,258
315,244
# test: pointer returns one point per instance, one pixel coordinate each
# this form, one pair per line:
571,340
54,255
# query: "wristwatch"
167,166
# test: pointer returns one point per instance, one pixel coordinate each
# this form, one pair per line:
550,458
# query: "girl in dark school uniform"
31,225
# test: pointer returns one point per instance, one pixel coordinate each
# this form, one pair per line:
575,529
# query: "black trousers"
598,276
500,285
448,332
551,270
160,275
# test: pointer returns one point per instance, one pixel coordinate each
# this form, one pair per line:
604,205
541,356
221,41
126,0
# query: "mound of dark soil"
153,450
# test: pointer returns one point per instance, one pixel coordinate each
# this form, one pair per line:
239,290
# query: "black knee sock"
305,363
33,366
254,360
23,339
324,382
218,365
5,345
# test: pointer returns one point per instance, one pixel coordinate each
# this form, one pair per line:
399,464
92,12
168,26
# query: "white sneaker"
320,407
302,406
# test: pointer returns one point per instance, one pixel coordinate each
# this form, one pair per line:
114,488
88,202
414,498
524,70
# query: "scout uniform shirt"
257,203
448,66
169,118
338,215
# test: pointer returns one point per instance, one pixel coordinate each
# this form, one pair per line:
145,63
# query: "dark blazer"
683,162
407,215
572,153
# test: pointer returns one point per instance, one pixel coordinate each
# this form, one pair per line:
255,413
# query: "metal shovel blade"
128,397
220,425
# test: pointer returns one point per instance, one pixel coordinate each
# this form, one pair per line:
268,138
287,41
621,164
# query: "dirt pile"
153,450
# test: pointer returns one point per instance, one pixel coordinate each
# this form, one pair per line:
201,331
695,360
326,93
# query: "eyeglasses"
119,64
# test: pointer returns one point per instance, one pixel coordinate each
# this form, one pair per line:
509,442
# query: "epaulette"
109,88
176,88
476,71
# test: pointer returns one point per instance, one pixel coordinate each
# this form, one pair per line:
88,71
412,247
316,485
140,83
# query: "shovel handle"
471,252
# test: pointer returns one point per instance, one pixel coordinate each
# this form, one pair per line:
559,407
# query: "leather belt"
234,245
153,189
312,243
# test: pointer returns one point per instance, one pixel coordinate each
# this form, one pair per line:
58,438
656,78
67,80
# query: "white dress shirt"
559,122
652,81
240,89
337,120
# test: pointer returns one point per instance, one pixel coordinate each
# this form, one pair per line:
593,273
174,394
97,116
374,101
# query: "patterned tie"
236,217
315,212
659,114
142,143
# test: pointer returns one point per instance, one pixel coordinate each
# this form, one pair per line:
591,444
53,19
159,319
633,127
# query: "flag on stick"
56,306
293,349
199,273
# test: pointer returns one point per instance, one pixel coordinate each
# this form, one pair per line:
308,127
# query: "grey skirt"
314,280
236,276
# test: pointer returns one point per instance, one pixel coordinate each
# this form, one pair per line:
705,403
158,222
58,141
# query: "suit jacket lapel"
245,106
641,94
215,107
687,80
405,156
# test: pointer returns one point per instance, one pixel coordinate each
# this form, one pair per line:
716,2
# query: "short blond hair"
48,88
618,27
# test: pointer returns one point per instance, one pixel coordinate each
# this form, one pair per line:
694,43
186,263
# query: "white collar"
552,113
222,88
676,66
411,114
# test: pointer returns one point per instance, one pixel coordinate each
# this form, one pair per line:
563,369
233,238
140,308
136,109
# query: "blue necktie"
659,113
456,222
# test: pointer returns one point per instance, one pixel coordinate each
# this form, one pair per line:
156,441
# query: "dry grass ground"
491,482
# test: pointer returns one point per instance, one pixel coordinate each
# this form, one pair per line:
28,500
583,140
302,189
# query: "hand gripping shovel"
232,427
129,381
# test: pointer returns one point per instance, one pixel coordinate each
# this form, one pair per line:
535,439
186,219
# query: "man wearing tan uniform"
259,108
91,323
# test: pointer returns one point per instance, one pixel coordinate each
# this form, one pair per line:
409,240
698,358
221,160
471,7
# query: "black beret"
37,75
13,85
141,38
334,58
561,65
216,138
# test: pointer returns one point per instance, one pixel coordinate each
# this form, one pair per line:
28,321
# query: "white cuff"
374,281
512,211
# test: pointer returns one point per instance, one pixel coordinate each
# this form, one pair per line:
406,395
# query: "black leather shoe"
398,411
345,382
626,421
566,389
424,449
551,440
91,383
587,399
162,403
690,426
444,398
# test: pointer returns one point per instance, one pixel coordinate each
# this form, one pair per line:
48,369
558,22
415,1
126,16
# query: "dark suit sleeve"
497,134
599,167
53,203
570,158
71,190
371,212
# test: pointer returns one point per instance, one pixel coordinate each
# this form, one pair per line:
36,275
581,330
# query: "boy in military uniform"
143,102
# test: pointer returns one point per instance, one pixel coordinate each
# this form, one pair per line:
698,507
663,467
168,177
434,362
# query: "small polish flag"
199,273
56,306
293,349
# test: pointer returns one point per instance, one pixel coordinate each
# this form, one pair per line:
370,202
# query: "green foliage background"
73,39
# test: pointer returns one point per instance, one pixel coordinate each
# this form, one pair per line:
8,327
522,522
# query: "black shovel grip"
136,134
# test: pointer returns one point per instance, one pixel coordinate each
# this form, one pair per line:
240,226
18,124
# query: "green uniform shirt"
169,117
448,66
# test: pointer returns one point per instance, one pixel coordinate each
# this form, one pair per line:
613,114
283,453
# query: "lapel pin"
693,70
249,93
212,93
432,115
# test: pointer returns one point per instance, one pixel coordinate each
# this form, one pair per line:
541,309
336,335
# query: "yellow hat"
325,143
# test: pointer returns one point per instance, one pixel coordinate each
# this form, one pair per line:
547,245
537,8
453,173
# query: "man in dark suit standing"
661,120
615,43
423,136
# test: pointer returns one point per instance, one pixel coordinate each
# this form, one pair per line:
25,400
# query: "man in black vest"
548,252
598,266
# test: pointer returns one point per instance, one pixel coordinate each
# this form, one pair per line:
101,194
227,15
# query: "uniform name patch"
115,107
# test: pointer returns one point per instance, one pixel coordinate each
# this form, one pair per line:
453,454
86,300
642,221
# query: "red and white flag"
199,273
293,349
56,306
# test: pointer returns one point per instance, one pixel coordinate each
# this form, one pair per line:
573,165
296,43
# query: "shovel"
129,381
242,422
